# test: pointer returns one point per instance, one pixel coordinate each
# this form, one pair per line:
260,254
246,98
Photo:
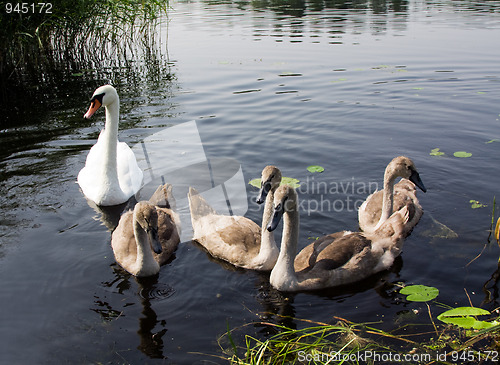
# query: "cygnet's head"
404,167
270,180
146,216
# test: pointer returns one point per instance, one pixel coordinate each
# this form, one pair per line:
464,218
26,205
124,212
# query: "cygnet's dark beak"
264,190
155,240
415,178
278,213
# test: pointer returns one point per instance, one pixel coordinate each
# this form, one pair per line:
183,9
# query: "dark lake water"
347,86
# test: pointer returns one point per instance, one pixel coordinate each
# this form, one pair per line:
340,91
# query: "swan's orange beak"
94,105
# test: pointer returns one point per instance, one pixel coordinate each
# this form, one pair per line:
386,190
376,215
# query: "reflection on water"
345,85
149,290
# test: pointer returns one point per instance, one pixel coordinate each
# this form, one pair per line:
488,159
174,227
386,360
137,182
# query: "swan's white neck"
388,198
110,168
283,276
145,263
268,252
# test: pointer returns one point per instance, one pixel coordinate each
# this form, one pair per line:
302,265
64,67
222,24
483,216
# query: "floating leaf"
461,317
419,293
418,88
436,152
462,154
476,204
294,183
255,182
315,168
77,74
493,140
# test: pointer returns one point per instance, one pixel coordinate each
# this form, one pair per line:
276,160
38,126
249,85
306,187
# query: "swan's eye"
98,97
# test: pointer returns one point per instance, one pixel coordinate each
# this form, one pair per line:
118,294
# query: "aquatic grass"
347,342
39,47
319,343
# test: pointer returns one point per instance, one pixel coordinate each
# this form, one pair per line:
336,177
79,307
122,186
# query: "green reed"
75,35
317,343
346,342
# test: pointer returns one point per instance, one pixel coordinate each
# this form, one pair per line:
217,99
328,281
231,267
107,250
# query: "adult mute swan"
336,259
235,239
146,229
111,174
378,207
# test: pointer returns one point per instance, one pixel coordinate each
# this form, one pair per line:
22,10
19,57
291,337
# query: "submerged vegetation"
41,42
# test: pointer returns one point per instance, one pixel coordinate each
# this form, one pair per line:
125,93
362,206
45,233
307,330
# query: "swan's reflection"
151,342
110,216
490,288
148,290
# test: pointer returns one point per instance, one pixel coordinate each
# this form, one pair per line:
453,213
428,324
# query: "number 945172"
25,8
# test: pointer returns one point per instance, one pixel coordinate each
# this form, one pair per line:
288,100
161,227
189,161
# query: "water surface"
347,86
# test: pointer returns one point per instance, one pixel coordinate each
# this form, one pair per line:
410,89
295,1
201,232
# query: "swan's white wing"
129,174
89,176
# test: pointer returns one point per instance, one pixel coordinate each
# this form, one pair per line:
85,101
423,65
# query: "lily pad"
476,204
294,183
436,152
255,182
464,317
462,154
315,168
419,293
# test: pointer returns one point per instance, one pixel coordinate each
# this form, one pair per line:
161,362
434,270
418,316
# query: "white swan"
236,239
336,259
145,229
378,207
111,174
